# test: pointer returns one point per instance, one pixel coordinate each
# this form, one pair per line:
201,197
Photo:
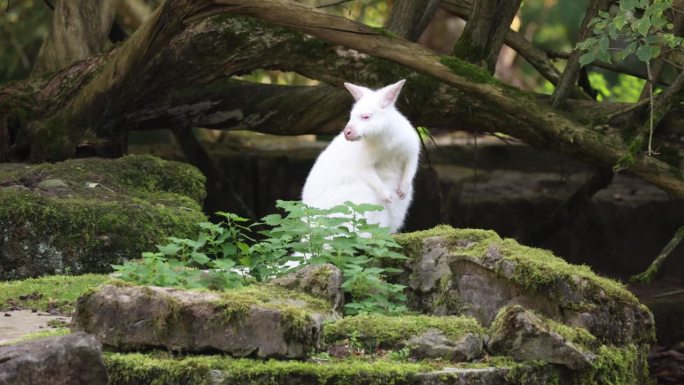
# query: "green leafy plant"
217,259
646,31
226,255
343,237
401,355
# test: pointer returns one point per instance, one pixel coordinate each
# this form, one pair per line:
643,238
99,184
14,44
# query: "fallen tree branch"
652,270
141,69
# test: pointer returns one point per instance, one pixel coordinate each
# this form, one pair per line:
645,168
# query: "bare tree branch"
569,76
535,56
652,270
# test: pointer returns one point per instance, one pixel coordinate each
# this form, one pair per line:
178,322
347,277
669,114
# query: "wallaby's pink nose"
349,133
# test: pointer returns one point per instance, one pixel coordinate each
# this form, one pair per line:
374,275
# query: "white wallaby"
373,160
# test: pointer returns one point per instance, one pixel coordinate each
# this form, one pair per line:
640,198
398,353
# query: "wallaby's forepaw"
402,191
386,197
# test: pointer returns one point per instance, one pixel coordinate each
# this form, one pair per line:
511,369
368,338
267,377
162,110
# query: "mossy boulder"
262,321
83,215
74,359
476,273
451,338
321,281
526,336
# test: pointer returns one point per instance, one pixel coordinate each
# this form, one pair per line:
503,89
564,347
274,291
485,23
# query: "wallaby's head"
373,111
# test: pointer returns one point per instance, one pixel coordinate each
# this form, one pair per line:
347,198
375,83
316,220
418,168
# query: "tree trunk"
80,29
484,34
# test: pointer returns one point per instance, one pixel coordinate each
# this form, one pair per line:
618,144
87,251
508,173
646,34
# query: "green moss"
468,70
537,270
110,211
295,307
633,149
132,175
271,296
412,243
464,50
384,32
48,293
77,235
147,369
387,332
578,336
613,366
169,317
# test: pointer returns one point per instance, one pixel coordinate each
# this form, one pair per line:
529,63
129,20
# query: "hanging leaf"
587,58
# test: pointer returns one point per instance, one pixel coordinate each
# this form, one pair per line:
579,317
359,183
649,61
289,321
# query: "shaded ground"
15,324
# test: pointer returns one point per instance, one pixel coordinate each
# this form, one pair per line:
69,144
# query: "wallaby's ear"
391,93
357,91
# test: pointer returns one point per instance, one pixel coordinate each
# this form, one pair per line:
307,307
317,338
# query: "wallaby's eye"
365,116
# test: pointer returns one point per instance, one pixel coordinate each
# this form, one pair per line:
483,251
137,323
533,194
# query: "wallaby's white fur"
373,160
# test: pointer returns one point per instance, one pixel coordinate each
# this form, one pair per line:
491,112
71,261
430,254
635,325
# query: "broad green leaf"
225,264
169,249
647,52
628,5
643,25
200,258
587,58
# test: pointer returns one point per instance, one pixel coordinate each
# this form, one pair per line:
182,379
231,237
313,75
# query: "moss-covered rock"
451,338
83,215
475,272
613,367
69,359
320,281
54,294
264,321
525,336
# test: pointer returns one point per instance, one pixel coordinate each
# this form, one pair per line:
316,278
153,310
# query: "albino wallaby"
373,160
